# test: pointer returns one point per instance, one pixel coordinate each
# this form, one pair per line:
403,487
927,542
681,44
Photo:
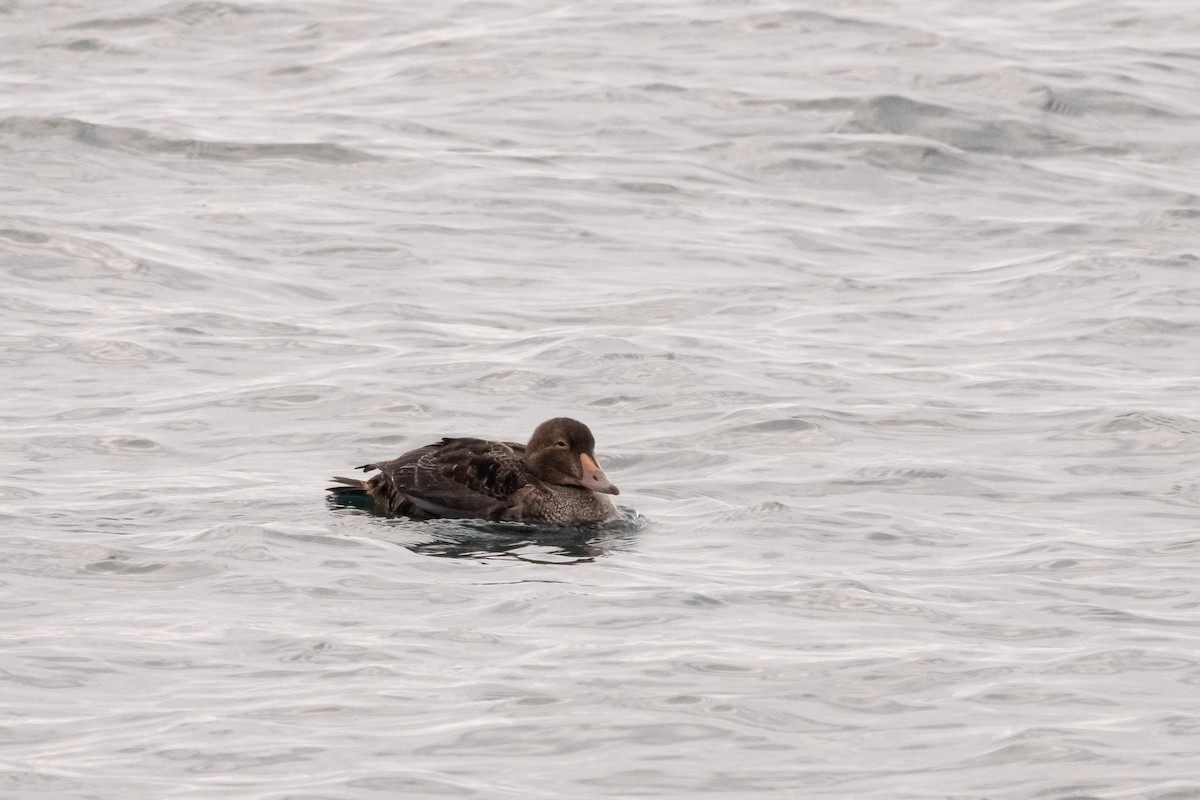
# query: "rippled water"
886,317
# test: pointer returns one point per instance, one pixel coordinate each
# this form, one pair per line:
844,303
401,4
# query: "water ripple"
136,140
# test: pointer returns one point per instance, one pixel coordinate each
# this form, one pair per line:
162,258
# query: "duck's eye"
560,443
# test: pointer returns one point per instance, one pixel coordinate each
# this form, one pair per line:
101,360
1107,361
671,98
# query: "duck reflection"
481,540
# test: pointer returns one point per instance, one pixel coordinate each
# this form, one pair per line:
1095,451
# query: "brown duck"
553,479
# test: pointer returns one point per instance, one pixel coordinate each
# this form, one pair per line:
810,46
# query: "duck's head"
562,451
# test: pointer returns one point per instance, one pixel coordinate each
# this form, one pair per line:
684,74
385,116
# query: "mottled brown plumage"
553,479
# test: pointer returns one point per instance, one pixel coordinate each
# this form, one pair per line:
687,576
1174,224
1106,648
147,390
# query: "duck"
553,479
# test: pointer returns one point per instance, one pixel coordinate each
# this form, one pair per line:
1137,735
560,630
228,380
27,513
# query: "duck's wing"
457,478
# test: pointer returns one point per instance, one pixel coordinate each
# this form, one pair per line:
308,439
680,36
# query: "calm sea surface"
886,317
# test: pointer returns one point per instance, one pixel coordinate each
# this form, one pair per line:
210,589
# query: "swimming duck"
555,479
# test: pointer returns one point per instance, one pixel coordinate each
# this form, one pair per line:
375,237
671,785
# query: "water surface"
886,319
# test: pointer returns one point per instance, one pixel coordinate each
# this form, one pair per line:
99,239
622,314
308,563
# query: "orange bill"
594,477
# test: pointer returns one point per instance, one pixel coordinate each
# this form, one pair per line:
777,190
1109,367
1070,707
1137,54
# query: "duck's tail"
351,492
351,486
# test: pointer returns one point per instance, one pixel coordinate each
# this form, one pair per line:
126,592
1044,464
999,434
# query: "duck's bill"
594,477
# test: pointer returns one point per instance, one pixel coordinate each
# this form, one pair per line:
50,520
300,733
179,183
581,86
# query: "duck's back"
452,478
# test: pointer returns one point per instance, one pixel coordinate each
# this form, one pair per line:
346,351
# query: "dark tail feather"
352,487
353,492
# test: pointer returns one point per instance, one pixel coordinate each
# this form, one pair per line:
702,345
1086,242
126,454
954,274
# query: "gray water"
886,317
